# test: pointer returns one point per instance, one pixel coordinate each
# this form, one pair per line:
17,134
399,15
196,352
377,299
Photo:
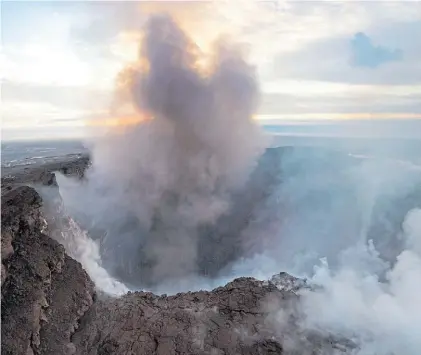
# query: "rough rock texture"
49,305
224,321
239,318
43,174
44,292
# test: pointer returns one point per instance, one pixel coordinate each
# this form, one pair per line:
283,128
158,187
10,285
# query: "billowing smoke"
154,184
200,142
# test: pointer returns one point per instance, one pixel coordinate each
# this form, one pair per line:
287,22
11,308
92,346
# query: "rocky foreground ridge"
50,305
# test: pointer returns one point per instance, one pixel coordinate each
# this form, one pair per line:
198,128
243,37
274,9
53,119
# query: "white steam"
353,227
381,317
86,251
75,239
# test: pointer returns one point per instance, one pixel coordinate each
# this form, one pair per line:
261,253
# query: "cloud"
107,19
43,132
65,97
366,54
347,99
42,120
324,74
328,59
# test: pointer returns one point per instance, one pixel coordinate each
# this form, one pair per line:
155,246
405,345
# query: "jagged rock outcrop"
49,305
44,292
228,320
239,318
44,174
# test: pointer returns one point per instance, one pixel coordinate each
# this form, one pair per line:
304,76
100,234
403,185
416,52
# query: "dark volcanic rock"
49,305
44,292
44,174
239,318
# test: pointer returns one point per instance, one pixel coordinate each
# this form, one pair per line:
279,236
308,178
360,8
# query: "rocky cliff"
44,292
49,304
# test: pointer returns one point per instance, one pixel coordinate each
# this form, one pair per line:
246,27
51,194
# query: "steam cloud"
353,227
379,316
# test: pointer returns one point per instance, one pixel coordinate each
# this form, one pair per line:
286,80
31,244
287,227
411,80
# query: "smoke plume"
158,178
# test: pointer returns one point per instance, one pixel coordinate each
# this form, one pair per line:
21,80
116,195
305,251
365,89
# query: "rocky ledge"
44,173
50,306
44,292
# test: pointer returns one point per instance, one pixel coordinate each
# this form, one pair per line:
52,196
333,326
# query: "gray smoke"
152,187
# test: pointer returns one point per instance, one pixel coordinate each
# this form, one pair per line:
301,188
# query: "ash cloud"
154,185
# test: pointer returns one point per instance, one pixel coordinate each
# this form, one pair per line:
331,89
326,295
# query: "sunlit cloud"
301,51
16,114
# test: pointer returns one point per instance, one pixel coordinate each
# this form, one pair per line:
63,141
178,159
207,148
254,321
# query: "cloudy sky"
316,60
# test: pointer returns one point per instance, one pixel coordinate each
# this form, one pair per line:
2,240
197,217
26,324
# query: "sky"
315,59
